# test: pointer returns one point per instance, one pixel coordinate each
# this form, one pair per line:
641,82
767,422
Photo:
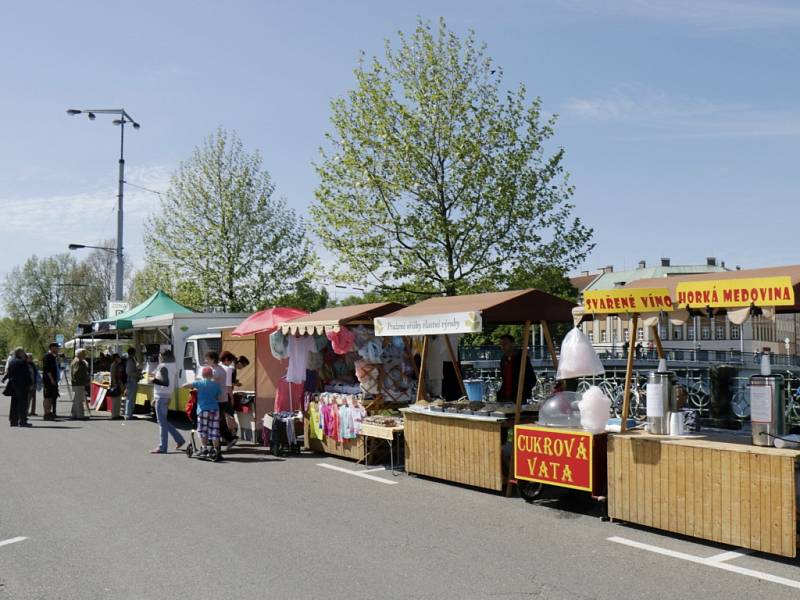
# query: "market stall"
463,442
251,339
338,374
559,451
727,487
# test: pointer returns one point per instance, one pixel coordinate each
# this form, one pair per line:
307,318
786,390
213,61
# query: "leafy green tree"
436,181
305,296
154,277
220,226
45,295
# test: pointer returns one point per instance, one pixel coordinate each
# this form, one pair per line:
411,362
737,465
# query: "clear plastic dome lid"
561,410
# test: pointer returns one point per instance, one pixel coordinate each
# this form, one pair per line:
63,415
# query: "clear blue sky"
680,118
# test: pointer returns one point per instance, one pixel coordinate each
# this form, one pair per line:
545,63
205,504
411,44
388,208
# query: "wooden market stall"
714,485
461,448
333,320
572,457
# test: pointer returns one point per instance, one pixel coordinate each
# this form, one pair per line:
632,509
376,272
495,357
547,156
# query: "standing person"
19,381
79,379
50,377
510,368
117,370
131,383
35,384
163,384
219,376
208,393
228,363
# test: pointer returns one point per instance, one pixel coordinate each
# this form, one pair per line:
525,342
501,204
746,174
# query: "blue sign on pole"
60,339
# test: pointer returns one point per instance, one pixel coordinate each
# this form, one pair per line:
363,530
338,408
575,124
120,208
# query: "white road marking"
12,541
362,474
730,555
708,562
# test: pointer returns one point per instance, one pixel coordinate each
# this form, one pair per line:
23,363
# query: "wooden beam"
626,397
456,366
526,338
421,378
550,348
657,339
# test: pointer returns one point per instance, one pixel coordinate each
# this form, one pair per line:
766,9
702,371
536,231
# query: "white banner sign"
463,322
117,308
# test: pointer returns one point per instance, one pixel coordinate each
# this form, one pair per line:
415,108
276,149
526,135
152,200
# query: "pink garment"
288,398
342,341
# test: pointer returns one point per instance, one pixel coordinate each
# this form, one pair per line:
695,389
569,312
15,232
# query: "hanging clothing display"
289,397
298,349
342,341
277,344
335,416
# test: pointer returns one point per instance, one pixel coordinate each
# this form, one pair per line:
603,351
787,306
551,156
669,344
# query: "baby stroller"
193,447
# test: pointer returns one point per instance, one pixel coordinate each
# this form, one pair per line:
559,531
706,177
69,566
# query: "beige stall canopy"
447,315
331,319
511,307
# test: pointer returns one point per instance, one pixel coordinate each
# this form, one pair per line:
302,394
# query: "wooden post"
456,366
626,397
550,348
421,378
657,339
526,336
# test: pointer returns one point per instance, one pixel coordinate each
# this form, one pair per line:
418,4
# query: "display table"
714,486
378,434
459,448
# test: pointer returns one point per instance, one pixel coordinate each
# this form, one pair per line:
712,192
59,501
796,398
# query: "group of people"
214,409
23,380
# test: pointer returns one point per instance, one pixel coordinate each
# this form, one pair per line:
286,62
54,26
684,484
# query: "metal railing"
733,357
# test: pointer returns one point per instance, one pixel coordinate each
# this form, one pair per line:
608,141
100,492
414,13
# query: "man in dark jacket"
19,380
509,372
50,382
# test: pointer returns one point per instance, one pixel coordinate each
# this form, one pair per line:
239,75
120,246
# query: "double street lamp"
122,119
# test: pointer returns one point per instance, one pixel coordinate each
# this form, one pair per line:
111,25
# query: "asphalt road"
103,519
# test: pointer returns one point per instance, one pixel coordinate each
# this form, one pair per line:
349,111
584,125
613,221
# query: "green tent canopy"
160,303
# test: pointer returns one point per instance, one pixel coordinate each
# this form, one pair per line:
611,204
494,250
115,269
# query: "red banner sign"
560,457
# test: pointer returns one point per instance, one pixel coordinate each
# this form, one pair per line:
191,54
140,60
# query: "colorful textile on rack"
336,416
342,341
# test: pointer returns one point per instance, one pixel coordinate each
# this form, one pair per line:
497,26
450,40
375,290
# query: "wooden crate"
458,450
731,493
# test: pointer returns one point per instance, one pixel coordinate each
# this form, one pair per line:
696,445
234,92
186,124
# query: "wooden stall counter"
713,486
452,447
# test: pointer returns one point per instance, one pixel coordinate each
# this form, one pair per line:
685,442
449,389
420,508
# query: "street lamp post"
123,118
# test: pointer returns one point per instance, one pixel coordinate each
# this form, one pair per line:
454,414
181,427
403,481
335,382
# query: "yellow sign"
641,300
733,293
